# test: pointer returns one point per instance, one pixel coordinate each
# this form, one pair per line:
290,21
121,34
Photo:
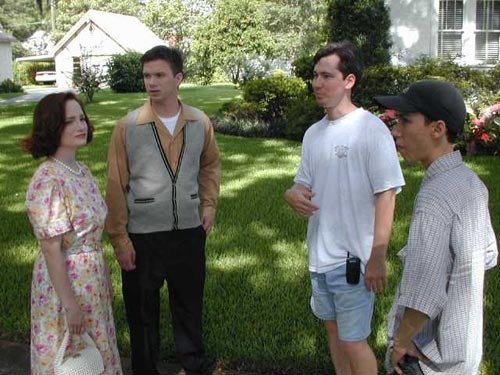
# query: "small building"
39,43
467,31
93,40
6,56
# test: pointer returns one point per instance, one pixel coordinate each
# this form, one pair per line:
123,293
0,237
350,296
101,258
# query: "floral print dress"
60,202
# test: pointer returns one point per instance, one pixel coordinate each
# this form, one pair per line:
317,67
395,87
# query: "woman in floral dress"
71,288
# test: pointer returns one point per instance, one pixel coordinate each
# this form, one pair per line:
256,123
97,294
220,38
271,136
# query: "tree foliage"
47,3
19,18
175,20
298,26
364,22
234,35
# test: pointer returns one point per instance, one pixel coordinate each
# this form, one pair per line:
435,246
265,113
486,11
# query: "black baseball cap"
438,100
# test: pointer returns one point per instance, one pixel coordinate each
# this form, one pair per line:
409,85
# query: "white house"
39,43
6,56
93,40
465,30
97,36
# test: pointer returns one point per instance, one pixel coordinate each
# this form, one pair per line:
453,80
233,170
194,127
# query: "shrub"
25,71
88,80
271,95
10,86
125,73
467,80
303,68
392,80
493,79
247,127
240,109
380,80
364,22
482,128
301,112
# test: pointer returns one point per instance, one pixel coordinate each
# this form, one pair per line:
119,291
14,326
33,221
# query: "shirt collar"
147,115
443,164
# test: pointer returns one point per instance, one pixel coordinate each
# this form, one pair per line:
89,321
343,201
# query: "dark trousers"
177,257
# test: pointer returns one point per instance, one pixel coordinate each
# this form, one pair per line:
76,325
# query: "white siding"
5,61
90,42
415,30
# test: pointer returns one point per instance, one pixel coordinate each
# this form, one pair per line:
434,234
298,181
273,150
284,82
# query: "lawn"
8,95
257,315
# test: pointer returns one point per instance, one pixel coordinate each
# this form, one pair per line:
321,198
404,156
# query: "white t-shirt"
170,122
346,162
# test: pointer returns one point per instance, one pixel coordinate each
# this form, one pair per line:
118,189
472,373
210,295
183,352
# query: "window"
488,31
451,20
77,69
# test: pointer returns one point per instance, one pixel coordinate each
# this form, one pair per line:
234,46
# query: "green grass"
8,95
256,312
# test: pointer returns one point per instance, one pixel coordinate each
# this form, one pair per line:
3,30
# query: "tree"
234,35
49,4
366,23
175,21
52,5
19,18
297,26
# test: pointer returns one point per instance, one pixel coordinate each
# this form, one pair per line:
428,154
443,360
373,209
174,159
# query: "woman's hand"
75,319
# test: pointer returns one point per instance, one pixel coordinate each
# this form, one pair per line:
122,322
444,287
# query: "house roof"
127,31
4,37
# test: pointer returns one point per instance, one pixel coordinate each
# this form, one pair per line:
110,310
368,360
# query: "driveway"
33,95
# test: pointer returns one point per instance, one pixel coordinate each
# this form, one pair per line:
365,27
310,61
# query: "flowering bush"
388,117
482,131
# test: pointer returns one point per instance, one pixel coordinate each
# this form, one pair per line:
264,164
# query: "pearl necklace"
67,167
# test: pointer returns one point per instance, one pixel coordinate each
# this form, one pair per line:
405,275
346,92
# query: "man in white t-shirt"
346,185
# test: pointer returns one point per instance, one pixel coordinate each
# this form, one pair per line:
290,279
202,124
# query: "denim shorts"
350,305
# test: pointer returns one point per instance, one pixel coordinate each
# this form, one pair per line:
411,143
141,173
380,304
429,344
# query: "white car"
48,76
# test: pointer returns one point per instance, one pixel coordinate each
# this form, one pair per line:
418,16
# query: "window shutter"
451,15
488,31
450,44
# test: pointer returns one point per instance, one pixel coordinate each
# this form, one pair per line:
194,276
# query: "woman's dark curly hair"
48,124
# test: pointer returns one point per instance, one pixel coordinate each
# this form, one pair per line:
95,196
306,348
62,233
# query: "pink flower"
485,137
390,113
70,264
477,123
40,348
388,117
80,221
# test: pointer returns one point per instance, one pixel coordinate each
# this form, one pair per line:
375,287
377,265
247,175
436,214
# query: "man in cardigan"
163,185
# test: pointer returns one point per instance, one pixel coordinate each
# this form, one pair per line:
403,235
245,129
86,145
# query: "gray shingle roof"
4,37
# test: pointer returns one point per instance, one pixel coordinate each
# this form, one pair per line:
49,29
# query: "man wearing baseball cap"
436,322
